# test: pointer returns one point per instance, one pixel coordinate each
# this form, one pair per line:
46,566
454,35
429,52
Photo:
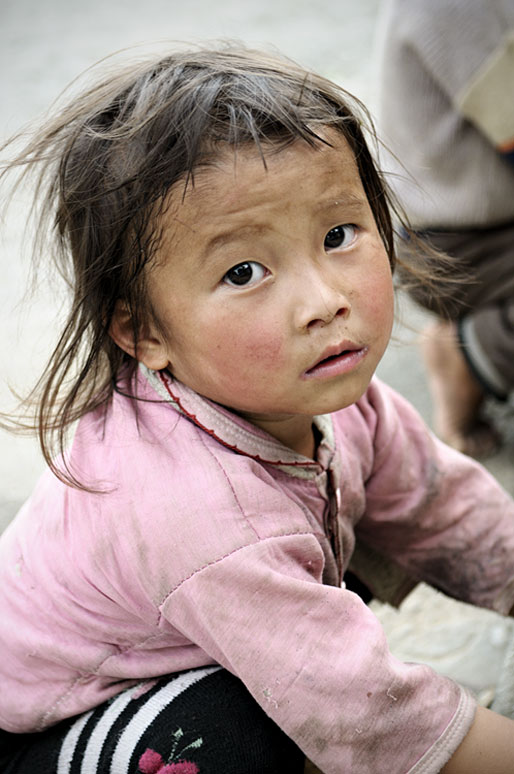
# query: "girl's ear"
151,346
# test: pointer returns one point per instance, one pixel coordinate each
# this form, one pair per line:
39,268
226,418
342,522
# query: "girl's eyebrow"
344,199
225,237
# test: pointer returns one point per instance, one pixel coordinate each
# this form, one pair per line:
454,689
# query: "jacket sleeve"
316,659
434,511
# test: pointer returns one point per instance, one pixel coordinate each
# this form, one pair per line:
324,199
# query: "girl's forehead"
245,189
258,171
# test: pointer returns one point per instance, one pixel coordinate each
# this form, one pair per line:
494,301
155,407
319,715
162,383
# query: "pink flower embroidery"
152,762
180,767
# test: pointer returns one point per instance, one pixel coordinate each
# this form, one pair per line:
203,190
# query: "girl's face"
273,286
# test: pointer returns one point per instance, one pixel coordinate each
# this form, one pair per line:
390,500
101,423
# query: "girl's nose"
321,303
327,318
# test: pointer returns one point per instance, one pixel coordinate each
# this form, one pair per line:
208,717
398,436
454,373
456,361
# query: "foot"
456,394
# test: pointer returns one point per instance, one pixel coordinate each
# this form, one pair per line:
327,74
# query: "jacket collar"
239,435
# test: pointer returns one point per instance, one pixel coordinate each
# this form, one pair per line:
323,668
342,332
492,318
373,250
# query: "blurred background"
43,46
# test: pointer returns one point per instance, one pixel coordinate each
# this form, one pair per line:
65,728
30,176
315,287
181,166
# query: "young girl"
172,593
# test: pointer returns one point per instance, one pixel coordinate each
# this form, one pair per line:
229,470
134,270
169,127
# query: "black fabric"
353,583
214,726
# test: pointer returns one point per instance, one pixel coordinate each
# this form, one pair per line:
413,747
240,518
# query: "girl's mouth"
340,361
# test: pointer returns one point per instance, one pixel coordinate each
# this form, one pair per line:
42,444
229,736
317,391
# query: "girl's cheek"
262,345
266,349
380,295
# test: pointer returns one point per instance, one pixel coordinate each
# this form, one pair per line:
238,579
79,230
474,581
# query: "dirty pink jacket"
214,544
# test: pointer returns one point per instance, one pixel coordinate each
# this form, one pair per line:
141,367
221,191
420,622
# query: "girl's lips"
335,361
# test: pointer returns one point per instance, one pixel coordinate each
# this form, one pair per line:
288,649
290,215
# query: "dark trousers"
199,722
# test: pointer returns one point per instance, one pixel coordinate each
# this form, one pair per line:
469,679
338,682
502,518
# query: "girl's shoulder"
179,473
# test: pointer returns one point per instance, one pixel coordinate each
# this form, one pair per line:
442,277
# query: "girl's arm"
437,513
488,746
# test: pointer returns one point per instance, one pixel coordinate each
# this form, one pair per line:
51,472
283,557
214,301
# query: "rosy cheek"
268,351
262,346
379,296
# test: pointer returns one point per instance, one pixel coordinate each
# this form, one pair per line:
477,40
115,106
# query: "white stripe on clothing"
70,742
148,712
96,740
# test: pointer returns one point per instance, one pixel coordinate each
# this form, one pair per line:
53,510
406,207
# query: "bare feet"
456,394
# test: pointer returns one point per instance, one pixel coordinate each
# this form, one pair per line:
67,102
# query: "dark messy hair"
103,168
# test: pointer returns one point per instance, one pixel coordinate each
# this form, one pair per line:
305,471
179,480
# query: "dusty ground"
42,47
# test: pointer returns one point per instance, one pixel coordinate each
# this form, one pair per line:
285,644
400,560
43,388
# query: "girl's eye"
244,274
340,236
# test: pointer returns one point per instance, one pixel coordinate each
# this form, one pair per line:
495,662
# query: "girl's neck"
295,432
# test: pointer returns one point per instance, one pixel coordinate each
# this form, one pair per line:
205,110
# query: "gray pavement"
42,47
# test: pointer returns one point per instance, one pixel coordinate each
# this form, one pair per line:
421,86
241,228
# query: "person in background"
446,114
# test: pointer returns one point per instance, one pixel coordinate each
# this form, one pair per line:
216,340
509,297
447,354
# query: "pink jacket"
213,543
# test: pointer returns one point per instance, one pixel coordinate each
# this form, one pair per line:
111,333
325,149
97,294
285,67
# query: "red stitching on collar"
212,433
